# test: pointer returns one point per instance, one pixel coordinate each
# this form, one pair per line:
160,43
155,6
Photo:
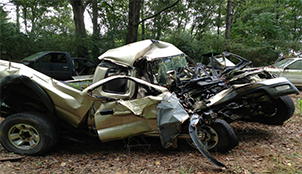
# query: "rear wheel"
29,133
275,112
217,137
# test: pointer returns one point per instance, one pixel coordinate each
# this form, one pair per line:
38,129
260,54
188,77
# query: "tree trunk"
96,31
158,27
228,20
219,20
95,17
78,13
18,16
134,13
24,10
143,23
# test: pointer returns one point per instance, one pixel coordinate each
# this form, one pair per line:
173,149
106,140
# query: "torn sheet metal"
202,148
170,116
145,106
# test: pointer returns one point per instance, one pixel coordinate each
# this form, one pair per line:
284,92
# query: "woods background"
259,30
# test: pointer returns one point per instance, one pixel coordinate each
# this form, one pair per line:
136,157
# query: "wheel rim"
208,137
265,107
24,136
268,109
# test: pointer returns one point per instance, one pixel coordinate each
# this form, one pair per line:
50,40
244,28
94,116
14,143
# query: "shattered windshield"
282,63
169,63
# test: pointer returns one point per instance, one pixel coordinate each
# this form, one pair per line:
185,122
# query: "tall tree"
78,12
228,21
203,15
96,30
134,14
78,8
133,19
113,23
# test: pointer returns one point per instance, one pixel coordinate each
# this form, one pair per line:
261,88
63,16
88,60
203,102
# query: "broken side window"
118,85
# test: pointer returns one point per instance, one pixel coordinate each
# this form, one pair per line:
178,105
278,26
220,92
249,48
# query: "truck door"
54,65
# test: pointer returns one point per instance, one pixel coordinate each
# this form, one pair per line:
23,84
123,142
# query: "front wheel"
217,137
28,133
275,112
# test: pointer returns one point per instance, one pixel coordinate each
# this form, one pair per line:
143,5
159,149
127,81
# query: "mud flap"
193,134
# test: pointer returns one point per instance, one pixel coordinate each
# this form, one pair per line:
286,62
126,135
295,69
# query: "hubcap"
208,137
24,136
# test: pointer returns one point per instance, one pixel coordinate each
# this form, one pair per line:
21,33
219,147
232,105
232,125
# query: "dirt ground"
261,149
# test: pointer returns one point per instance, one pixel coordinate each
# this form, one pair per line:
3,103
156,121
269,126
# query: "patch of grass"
298,106
81,84
183,170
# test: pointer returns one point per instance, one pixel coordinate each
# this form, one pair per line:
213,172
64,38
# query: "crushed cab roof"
151,49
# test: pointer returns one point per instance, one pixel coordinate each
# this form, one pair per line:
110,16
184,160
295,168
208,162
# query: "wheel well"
20,93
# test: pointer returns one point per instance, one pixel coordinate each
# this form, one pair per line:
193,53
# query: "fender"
275,88
17,79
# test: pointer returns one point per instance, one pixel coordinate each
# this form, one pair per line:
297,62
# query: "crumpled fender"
193,134
275,88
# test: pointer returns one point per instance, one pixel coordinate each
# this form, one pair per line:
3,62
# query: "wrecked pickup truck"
129,94
118,102
60,65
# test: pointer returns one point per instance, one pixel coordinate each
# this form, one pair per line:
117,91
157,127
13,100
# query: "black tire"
218,137
281,108
30,133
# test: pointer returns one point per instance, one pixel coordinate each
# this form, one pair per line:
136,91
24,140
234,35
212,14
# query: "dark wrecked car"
129,94
60,65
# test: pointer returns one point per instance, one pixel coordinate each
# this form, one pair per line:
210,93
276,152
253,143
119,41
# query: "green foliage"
11,39
185,42
261,30
81,85
183,170
299,106
260,56
205,15
267,27
113,20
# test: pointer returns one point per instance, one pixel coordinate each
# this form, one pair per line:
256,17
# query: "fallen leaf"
63,164
289,164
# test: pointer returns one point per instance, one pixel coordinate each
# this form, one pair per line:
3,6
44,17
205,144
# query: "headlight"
283,87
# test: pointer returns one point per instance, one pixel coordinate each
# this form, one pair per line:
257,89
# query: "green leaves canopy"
260,30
